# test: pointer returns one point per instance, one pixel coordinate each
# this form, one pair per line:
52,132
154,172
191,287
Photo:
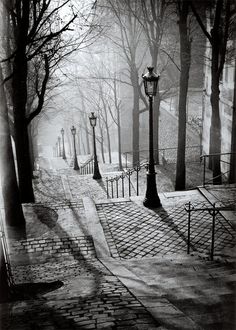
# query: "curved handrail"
87,167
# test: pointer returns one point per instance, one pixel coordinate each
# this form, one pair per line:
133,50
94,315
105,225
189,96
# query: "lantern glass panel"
93,120
73,130
150,87
150,80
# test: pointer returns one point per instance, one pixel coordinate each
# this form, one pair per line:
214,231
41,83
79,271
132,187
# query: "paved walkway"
92,263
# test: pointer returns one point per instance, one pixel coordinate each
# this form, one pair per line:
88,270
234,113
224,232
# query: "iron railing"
87,167
165,155
213,210
224,165
120,185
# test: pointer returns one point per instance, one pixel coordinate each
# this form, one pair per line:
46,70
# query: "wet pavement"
89,262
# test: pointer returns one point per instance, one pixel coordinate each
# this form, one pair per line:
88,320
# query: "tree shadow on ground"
61,311
168,219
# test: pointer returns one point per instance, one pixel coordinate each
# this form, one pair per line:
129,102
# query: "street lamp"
73,132
59,146
96,173
150,81
63,144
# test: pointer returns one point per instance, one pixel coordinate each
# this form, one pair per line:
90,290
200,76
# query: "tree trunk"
215,130
85,122
119,140
156,114
156,106
19,85
102,145
87,142
108,143
23,160
10,192
135,117
79,146
31,149
232,173
185,58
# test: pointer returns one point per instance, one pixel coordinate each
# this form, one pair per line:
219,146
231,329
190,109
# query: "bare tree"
221,19
11,199
153,17
10,192
128,40
232,174
42,38
185,61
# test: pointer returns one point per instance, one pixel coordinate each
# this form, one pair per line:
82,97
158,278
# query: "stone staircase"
185,292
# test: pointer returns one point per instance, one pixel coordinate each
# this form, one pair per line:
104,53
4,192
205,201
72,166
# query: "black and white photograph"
117,164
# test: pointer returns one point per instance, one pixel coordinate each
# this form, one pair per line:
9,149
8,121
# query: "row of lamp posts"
150,81
60,147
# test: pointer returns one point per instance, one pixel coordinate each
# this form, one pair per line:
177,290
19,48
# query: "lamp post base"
152,199
96,173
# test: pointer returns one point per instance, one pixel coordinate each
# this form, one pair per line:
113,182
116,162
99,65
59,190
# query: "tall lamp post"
59,146
73,132
63,144
150,81
96,173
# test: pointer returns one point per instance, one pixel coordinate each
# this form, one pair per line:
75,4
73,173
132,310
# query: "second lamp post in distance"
150,81
96,172
73,132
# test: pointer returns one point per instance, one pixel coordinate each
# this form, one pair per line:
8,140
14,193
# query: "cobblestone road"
133,232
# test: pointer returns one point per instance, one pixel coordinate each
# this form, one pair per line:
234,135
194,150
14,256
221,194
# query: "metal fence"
224,159
216,229
120,185
165,155
87,167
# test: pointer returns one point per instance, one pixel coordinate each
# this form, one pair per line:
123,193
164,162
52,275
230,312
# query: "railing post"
122,181
117,192
189,225
204,170
129,183
213,213
107,187
112,192
138,169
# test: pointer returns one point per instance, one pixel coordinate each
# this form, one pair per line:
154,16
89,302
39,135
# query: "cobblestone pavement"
224,195
135,232
48,187
59,283
91,298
